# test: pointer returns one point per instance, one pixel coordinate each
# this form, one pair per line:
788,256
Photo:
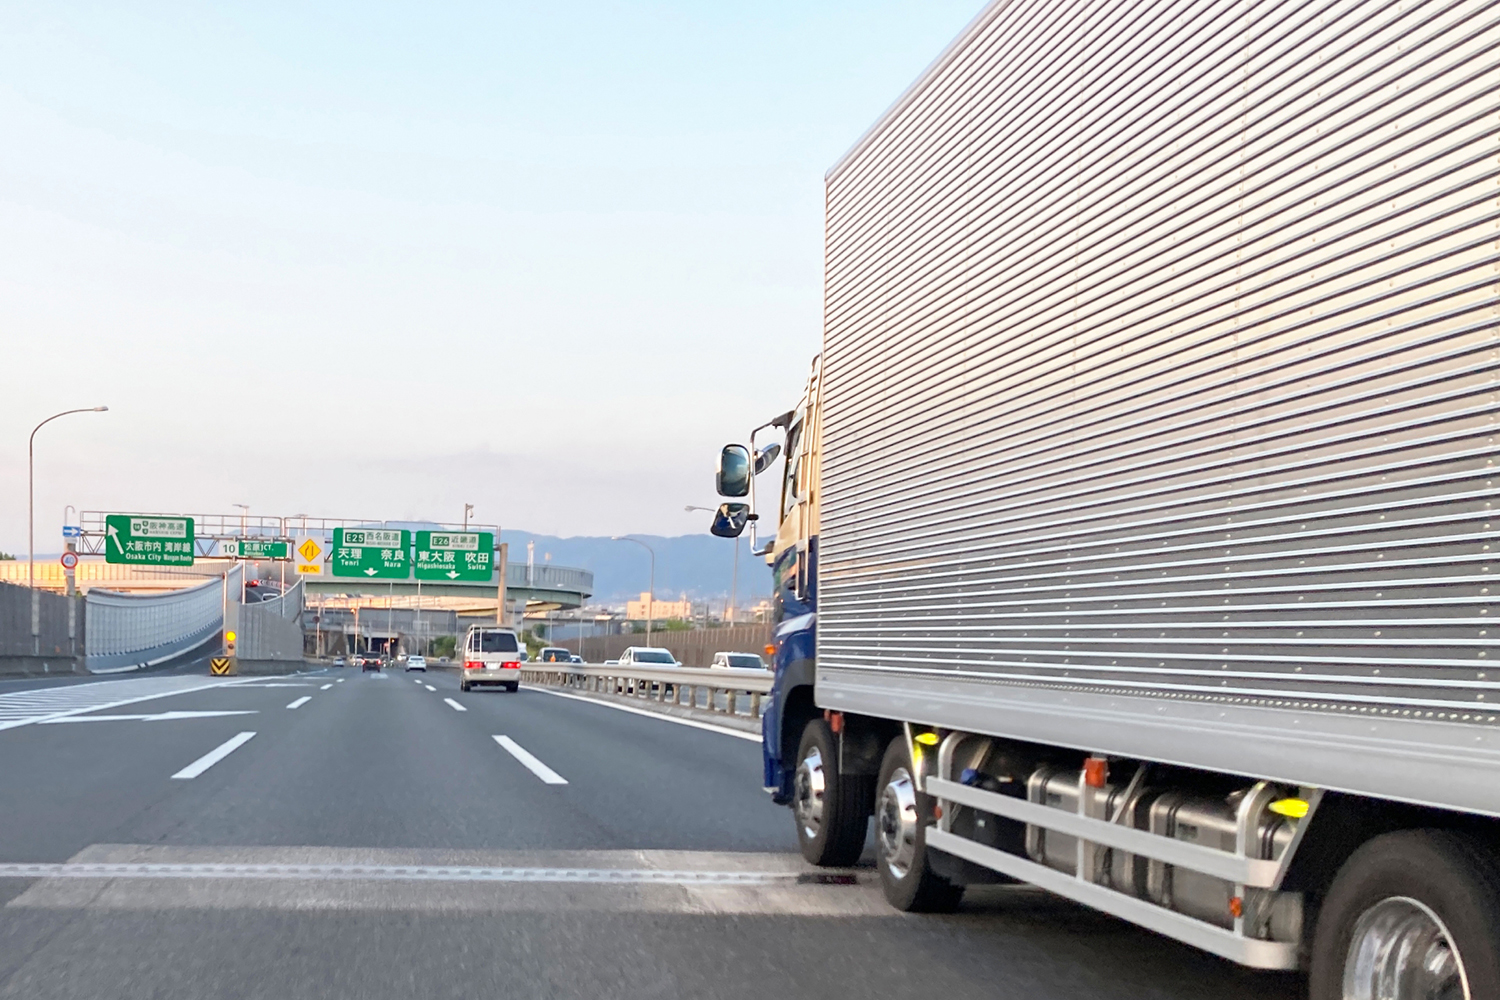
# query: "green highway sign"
254,548
150,539
372,553
456,556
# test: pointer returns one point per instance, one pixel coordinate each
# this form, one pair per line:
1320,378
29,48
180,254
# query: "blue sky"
378,260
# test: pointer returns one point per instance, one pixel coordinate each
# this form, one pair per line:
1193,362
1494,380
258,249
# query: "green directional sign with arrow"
255,548
148,539
455,556
372,553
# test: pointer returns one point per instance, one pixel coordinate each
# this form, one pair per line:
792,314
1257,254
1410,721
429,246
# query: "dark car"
370,661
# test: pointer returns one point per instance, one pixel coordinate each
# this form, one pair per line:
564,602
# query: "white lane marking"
401,873
752,737
300,701
416,680
215,755
456,706
159,717
25,708
339,681
325,687
533,765
429,687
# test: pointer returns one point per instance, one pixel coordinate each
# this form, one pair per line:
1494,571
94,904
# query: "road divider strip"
456,706
215,755
530,762
300,701
663,716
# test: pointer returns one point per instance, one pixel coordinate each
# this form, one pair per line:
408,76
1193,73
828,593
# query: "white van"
491,656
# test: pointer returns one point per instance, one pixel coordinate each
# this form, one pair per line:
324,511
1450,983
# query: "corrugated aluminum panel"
1160,360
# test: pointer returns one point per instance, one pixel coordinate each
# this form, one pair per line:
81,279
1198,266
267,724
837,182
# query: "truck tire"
832,810
513,687
463,686
901,816
1412,914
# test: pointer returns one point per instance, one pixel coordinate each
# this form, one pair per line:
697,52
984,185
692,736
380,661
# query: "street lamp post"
734,579
36,614
651,593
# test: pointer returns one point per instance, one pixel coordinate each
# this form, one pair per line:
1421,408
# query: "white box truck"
1135,536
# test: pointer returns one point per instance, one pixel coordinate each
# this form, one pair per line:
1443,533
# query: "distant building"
636,611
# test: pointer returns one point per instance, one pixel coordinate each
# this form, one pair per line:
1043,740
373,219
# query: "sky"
379,260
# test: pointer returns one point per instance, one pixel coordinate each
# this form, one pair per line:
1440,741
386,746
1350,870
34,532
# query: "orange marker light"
1096,772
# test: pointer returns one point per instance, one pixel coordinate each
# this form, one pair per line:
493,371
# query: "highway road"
338,834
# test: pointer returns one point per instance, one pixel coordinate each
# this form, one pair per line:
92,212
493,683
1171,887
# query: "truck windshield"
653,656
748,661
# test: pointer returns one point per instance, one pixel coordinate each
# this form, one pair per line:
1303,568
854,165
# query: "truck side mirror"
733,476
730,520
766,456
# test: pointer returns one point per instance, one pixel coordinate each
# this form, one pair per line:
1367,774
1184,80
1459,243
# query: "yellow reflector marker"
1295,808
930,739
229,636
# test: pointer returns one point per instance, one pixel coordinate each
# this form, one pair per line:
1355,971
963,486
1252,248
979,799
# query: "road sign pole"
500,593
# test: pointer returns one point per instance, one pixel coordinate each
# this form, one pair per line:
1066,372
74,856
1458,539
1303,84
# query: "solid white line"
533,765
456,706
429,687
300,702
211,758
752,737
398,873
325,687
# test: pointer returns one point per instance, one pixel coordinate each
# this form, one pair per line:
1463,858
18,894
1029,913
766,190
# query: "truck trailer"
1134,531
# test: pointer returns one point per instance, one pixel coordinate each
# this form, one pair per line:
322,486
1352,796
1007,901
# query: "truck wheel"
1411,915
513,687
901,816
831,810
463,686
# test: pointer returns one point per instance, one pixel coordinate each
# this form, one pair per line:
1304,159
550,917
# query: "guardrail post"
729,700
754,704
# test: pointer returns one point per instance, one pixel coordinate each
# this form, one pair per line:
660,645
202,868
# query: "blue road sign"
72,531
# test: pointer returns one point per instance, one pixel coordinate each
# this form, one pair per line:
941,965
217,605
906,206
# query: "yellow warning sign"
221,666
309,556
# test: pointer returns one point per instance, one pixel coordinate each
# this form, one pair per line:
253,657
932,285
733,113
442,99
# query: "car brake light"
511,664
473,665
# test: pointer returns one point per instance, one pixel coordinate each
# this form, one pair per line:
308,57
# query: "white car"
492,658
648,656
416,663
737,661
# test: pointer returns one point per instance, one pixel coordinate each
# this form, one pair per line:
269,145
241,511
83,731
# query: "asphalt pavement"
339,834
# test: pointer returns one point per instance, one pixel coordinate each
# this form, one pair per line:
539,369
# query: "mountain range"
699,566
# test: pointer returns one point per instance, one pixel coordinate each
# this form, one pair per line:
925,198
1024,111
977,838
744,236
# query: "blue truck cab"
792,554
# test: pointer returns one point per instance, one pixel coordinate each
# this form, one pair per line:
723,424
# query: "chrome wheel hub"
1400,950
896,823
810,788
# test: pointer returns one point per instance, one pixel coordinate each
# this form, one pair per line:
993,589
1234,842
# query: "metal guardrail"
142,630
667,685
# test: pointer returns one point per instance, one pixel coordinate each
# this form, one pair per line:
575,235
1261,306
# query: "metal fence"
695,648
730,692
59,624
127,630
272,630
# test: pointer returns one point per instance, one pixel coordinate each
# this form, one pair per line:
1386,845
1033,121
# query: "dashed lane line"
325,687
429,687
215,755
456,706
300,701
530,761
